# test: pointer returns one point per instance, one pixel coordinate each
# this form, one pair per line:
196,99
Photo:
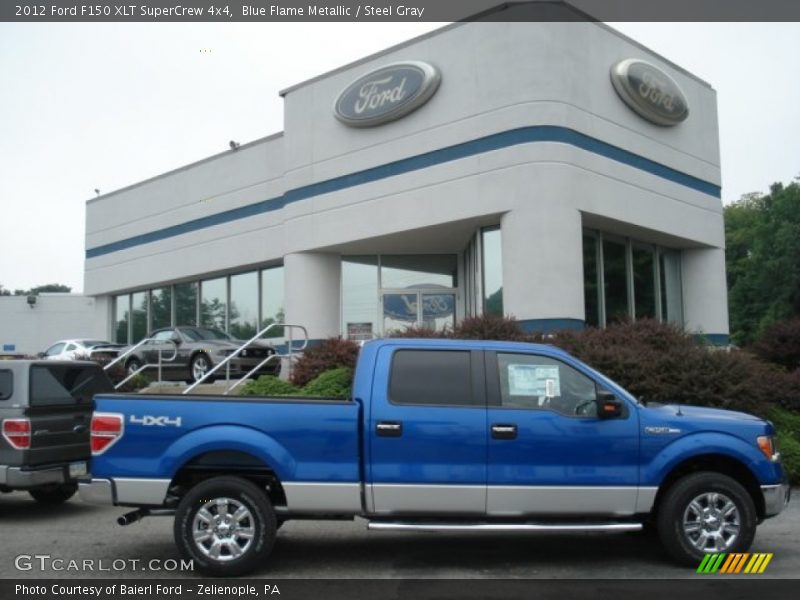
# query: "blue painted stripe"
550,325
497,141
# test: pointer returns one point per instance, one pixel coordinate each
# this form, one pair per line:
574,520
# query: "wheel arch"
718,463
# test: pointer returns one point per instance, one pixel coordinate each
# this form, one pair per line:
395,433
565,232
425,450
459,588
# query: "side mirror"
41,354
608,406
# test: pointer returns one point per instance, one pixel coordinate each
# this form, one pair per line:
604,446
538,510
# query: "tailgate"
60,408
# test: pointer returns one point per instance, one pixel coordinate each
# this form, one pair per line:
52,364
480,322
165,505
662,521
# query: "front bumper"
776,497
22,479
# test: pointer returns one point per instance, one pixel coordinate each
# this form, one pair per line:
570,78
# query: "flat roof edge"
188,166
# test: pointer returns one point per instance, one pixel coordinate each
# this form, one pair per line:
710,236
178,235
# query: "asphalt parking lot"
311,549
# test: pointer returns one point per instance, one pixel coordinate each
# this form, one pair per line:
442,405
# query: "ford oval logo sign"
387,94
649,91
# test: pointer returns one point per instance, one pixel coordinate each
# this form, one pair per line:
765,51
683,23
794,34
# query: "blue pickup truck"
439,435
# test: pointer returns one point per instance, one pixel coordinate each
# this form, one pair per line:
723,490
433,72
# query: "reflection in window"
359,297
213,303
243,311
186,304
644,282
590,280
492,272
161,307
139,317
615,282
122,309
272,300
418,270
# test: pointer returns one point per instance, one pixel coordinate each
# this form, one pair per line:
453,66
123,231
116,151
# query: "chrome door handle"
504,431
389,428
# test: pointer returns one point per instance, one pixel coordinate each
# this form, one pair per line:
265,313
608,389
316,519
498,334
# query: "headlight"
769,447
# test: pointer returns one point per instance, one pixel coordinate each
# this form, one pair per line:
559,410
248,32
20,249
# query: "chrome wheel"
711,522
223,529
200,367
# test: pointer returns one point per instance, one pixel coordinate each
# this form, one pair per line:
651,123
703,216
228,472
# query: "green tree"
762,234
46,288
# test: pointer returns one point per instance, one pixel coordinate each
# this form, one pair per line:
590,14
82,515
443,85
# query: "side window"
70,347
54,350
163,336
539,382
6,384
432,377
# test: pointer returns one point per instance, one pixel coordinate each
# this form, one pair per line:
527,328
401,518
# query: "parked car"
196,351
81,350
440,435
45,411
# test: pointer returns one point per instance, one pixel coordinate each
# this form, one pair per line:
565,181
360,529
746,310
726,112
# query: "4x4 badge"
661,430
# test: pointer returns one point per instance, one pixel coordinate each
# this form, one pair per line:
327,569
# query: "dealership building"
557,172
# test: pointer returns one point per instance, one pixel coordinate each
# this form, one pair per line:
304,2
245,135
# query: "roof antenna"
234,145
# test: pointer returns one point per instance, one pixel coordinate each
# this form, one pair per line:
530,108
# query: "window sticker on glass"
534,380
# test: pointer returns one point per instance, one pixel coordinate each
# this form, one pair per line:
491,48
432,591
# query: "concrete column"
313,292
543,266
705,293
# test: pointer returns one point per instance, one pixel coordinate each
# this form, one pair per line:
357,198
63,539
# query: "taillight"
18,433
107,428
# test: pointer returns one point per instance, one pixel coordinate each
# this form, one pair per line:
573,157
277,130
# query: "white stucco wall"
54,317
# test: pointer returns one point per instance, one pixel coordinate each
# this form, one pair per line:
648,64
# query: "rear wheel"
226,525
706,513
133,365
54,494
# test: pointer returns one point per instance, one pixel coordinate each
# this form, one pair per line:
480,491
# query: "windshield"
199,334
90,343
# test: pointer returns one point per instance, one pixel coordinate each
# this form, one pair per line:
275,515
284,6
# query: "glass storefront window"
213,302
359,297
671,293
139,316
243,310
628,271
122,309
492,272
272,300
615,281
591,303
644,282
186,303
418,270
161,307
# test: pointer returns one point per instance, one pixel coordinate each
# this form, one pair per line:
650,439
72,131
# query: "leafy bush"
336,383
269,385
660,362
329,354
489,327
780,344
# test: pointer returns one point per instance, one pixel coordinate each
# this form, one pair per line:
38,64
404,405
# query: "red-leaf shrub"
489,327
780,344
327,355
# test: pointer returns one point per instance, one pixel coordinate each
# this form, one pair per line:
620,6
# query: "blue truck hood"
702,413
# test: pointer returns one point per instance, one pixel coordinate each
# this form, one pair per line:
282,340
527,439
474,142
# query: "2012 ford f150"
439,435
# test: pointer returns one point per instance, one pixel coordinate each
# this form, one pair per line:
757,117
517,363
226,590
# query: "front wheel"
199,367
226,526
706,513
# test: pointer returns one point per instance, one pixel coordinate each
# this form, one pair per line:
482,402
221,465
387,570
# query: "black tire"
55,494
256,532
687,547
199,366
132,365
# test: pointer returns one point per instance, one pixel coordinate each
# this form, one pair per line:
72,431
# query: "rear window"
432,377
66,384
6,384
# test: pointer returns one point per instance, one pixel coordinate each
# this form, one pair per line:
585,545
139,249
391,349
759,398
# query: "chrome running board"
519,527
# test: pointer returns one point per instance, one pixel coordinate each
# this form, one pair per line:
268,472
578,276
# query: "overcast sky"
85,106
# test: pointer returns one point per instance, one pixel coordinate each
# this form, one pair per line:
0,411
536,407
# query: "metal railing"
226,362
145,366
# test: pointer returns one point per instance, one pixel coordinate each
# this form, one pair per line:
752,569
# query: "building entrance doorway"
431,308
